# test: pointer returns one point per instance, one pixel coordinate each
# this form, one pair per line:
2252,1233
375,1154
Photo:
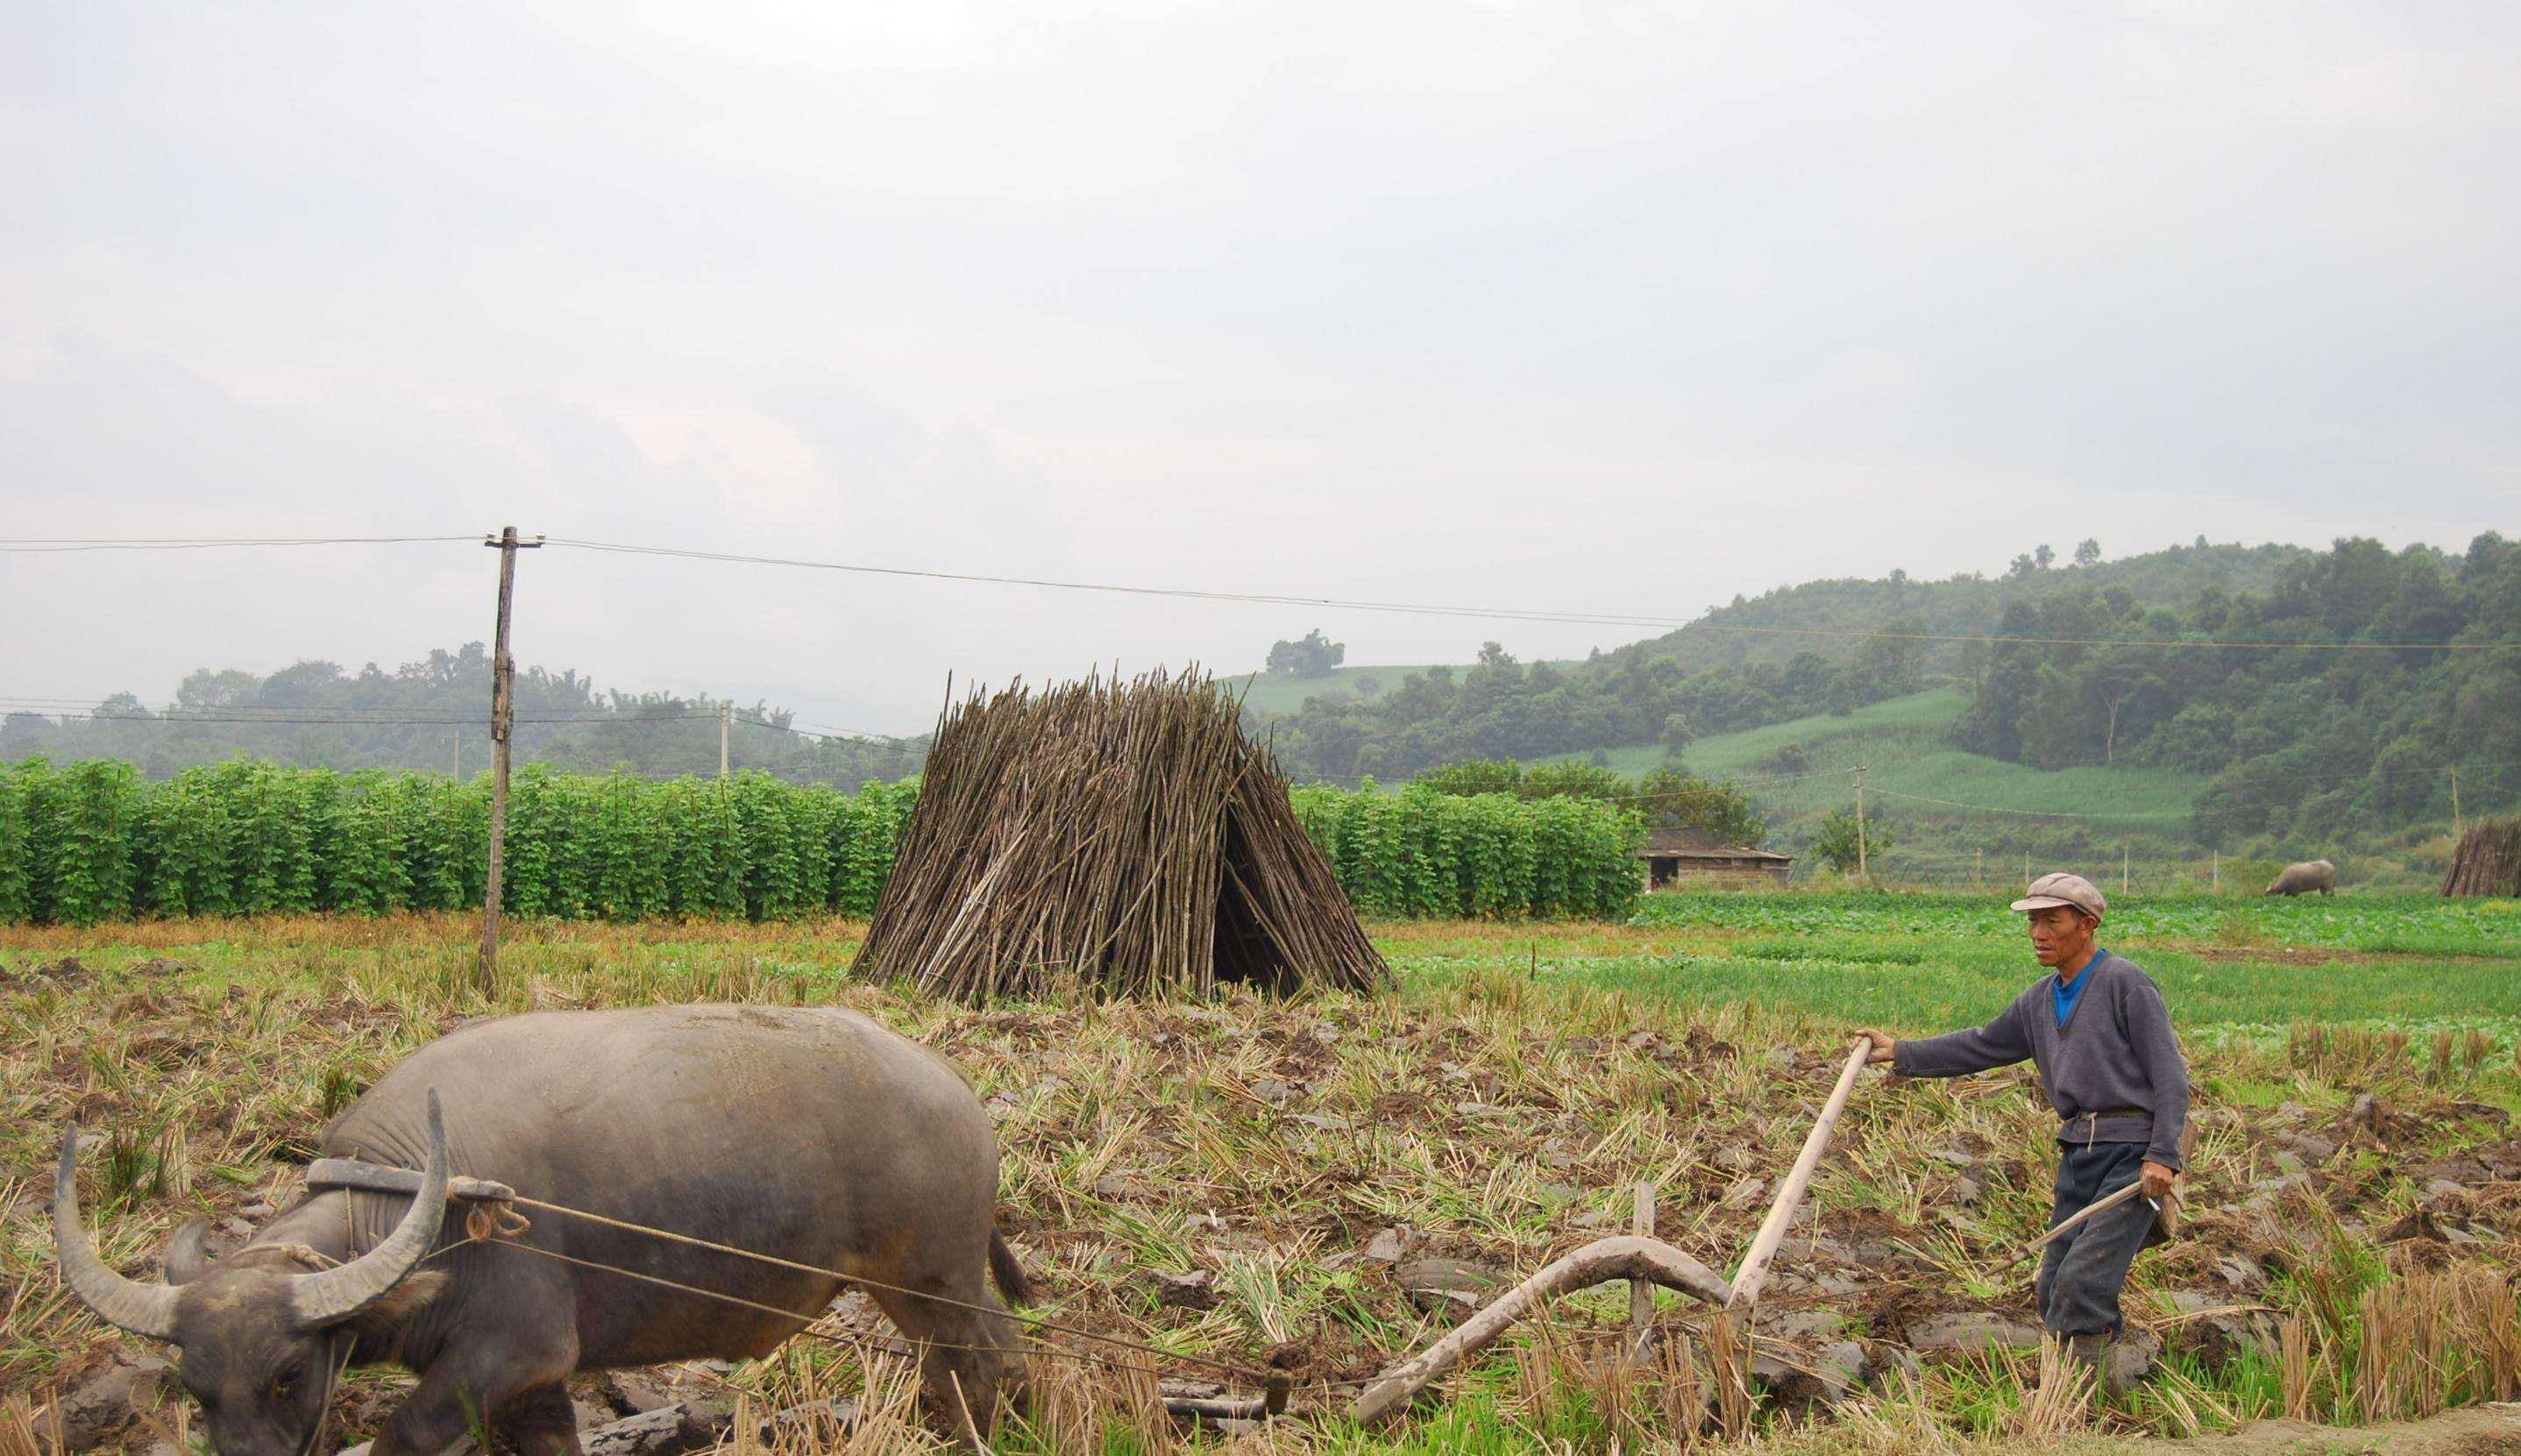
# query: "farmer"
2101,1037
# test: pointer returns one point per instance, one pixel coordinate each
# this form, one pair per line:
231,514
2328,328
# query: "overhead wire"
47,544
1282,599
1494,613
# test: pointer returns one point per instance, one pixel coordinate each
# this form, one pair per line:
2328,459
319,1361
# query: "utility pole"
2219,872
1978,869
2123,867
1863,869
2454,801
503,709
725,711
455,763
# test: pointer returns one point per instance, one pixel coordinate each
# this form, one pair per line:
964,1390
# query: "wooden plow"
1636,1256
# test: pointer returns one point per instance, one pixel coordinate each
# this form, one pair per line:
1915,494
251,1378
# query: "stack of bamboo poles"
2487,861
1120,839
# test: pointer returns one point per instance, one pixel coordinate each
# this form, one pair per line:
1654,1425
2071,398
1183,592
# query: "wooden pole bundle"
1118,838
2487,861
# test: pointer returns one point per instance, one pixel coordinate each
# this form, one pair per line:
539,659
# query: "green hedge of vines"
96,842
1420,853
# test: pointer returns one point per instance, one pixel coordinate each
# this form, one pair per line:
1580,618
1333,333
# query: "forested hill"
2331,729
432,714
1962,604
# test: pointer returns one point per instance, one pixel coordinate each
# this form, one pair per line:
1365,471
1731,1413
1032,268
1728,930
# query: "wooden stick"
1217,1407
2067,1226
1621,1257
1641,1292
1790,1194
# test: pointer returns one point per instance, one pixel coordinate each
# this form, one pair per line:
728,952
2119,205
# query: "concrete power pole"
503,709
725,711
2455,803
1864,869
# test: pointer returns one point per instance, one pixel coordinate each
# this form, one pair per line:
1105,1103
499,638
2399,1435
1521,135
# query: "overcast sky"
1602,307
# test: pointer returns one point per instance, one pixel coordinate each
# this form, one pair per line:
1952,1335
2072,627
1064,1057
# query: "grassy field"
1497,1108
1263,693
1900,742
1959,817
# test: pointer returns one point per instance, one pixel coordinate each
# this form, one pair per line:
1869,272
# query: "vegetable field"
96,842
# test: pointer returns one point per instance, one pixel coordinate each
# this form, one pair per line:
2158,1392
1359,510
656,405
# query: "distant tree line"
433,714
2302,741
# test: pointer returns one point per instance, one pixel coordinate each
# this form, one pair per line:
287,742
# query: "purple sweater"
2115,1054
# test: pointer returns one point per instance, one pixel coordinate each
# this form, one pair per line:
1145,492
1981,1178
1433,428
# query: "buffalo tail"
1009,1275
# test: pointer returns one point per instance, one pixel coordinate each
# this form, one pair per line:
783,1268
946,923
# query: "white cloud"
1591,305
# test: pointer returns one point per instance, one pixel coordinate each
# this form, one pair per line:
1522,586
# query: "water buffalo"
811,1134
2306,877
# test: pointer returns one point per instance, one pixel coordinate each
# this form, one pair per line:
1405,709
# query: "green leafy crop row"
96,842
1420,853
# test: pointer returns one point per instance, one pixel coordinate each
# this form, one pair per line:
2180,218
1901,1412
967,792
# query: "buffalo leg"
964,1350
542,1423
472,1383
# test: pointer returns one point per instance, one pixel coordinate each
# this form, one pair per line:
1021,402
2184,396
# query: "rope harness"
493,1220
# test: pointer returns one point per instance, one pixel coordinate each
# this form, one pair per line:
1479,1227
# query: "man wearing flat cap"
2101,1037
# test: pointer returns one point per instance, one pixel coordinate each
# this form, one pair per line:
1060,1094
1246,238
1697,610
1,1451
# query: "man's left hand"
2157,1181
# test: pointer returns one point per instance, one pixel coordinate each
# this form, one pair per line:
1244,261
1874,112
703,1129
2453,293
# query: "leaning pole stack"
2487,861
1111,837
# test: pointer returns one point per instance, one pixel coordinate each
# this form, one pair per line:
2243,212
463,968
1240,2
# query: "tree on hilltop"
1309,656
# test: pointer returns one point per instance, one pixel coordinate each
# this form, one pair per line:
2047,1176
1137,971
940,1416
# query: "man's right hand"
1882,1045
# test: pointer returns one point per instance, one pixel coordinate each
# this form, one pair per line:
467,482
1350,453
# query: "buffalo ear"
405,1299
187,1259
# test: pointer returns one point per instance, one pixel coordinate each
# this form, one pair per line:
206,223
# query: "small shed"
1693,856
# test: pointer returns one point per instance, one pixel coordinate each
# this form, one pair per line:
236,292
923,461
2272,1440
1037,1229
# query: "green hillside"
1828,617
1904,747
1991,813
1268,693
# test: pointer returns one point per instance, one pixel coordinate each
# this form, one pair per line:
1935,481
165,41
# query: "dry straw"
1123,838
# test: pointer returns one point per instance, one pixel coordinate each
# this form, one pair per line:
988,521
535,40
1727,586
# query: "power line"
387,719
1492,613
1278,599
201,543
401,721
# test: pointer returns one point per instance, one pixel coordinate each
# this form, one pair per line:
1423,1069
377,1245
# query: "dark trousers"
2082,1273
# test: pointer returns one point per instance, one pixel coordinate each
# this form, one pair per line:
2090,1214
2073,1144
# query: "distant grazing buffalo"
2306,877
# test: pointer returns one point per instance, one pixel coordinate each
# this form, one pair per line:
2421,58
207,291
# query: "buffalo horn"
336,1294
147,1309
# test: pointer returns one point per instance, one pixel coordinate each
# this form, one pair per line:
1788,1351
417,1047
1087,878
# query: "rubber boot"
2092,1352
